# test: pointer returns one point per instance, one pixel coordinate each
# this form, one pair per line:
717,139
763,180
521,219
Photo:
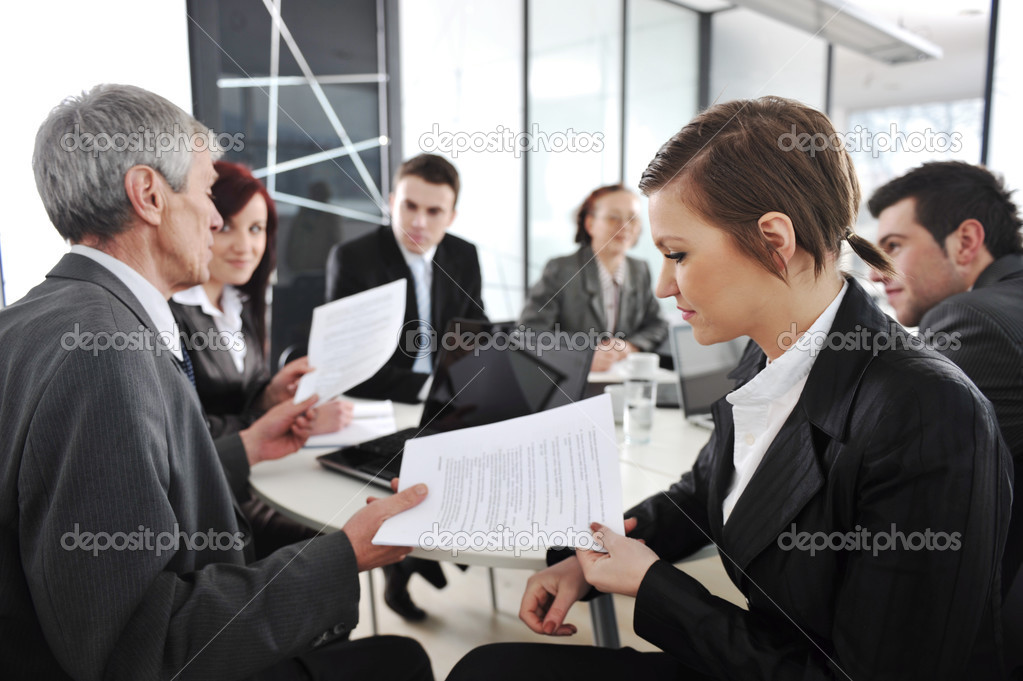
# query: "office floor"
461,617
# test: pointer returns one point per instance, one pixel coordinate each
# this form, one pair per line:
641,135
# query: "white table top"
298,487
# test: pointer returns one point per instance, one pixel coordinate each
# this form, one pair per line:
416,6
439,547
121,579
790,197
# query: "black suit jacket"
98,439
880,439
982,331
374,260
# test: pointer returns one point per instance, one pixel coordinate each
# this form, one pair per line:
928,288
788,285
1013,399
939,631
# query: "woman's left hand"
285,382
622,568
332,416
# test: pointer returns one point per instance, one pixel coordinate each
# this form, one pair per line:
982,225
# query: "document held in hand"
351,339
531,482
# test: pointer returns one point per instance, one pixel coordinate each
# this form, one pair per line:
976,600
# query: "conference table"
298,487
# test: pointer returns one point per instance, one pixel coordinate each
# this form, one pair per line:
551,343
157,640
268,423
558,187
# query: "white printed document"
530,482
369,420
351,339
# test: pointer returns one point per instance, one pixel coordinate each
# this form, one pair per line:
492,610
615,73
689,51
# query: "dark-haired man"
954,234
443,283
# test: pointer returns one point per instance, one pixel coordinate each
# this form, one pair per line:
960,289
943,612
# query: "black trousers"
376,657
546,661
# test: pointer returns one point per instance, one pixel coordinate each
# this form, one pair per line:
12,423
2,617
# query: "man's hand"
279,432
284,383
609,352
363,526
332,416
622,568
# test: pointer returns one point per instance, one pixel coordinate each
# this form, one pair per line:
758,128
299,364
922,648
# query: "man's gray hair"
88,143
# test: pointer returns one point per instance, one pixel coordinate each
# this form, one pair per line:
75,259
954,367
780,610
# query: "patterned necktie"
186,365
422,363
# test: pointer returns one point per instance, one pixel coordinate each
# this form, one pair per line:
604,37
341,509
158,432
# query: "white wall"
1005,150
56,49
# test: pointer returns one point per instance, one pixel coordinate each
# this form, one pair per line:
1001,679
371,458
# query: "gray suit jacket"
985,338
568,294
112,442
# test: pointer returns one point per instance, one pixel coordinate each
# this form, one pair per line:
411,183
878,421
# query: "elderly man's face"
185,236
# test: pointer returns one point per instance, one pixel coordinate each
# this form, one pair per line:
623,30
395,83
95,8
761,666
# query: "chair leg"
493,589
372,602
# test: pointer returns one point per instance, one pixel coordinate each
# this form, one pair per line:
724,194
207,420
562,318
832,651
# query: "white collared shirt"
228,321
427,257
148,295
611,288
761,407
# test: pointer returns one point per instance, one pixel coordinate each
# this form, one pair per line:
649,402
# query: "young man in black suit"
442,273
443,279
954,235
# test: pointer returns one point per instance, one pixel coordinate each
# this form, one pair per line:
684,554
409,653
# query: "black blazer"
985,338
880,439
229,397
374,260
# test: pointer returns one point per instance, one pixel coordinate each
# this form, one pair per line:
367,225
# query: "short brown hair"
738,160
430,168
586,209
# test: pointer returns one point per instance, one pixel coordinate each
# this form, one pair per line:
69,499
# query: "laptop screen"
486,377
703,369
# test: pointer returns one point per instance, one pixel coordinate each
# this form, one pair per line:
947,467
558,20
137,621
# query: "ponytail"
877,259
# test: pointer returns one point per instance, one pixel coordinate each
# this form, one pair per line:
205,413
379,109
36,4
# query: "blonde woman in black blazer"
861,438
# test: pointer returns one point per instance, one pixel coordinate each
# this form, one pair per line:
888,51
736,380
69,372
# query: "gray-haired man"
122,552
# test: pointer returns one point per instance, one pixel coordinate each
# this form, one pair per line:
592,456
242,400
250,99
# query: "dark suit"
569,295
374,260
113,441
984,328
229,397
878,438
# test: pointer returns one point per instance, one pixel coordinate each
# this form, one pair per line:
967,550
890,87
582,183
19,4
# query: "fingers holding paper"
622,568
362,527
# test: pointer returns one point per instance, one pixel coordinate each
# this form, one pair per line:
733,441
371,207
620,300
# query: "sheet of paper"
351,339
530,482
369,420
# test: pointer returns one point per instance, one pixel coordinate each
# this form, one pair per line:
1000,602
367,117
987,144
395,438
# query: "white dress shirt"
761,407
228,321
152,300
611,288
427,257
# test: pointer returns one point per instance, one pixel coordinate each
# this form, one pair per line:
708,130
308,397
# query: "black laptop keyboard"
384,453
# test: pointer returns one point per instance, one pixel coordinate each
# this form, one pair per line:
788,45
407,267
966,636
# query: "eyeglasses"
617,219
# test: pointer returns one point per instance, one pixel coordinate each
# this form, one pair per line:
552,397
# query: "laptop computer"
703,372
483,380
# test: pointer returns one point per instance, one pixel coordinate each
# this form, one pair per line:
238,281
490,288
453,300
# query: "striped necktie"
186,365
422,363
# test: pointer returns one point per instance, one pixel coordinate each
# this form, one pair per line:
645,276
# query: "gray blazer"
568,294
111,441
